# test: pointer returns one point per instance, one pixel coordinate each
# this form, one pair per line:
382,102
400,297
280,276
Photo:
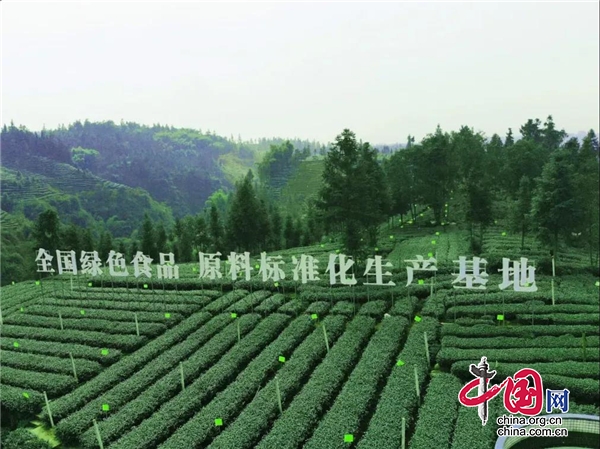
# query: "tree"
554,204
246,220
201,238
353,198
435,175
495,155
87,241
290,233
215,228
520,216
587,193
552,138
122,248
276,229
46,231
105,245
524,158
71,240
509,140
532,131
161,239
148,239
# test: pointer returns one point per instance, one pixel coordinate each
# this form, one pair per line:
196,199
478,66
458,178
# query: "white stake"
62,328
48,408
137,326
325,334
426,348
73,365
71,284
98,435
417,385
403,433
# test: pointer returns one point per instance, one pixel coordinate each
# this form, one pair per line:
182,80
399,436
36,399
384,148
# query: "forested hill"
180,167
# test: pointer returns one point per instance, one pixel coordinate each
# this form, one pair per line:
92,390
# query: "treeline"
245,220
541,183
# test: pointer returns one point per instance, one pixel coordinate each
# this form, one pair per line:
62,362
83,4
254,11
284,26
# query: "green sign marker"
391,237
105,407
503,234
437,233
15,344
500,317
429,254
348,438
597,284
421,281
167,315
433,242
257,266
376,249
420,215
399,363
337,251
417,318
218,422
322,246
89,284
22,309
104,352
234,315
282,359
37,282
145,285
193,268
82,312
314,316
26,395
13,282
410,222
276,284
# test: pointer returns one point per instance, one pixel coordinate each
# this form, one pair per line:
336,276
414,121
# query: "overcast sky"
309,70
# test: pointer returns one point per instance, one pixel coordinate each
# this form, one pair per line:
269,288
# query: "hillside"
78,196
210,358
180,167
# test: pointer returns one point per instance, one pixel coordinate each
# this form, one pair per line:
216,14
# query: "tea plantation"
128,363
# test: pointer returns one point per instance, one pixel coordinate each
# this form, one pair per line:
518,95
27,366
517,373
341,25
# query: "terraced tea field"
180,364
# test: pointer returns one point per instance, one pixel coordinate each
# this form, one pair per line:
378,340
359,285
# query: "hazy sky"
306,70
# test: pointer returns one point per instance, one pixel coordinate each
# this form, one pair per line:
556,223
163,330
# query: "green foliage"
22,438
126,367
302,414
359,392
399,398
554,205
353,198
447,356
438,414
159,426
245,389
196,352
246,430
